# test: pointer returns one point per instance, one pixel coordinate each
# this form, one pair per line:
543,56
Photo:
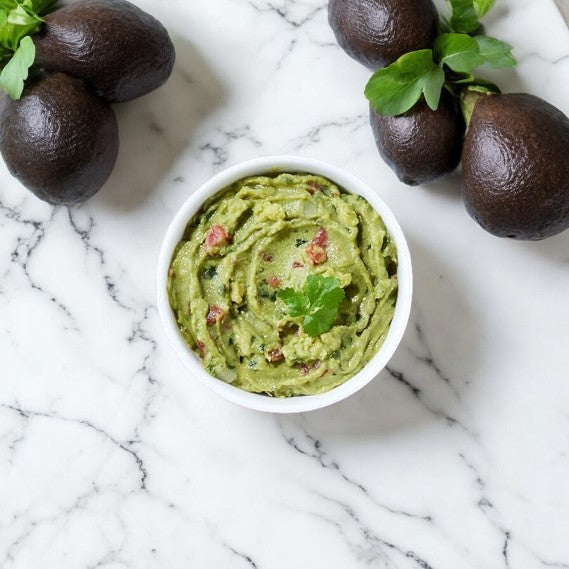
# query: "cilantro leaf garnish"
318,302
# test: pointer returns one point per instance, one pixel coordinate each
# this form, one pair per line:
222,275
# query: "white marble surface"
112,457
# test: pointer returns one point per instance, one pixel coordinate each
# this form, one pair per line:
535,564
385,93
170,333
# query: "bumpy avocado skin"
378,32
516,167
60,139
120,49
422,146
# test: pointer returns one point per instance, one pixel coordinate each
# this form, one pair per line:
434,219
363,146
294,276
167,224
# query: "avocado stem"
468,99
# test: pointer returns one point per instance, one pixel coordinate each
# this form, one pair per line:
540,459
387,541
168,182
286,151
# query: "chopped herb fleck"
268,293
209,272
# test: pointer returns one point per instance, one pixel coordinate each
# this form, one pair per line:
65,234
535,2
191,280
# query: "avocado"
60,140
421,146
378,32
516,167
121,50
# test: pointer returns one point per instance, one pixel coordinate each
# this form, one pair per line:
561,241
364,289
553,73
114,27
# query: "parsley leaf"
19,19
459,51
297,303
465,17
318,302
463,53
483,7
16,70
466,14
396,88
41,7
18,23
496,53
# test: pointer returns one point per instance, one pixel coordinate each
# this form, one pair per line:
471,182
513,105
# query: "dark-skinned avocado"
378,32
516,166
120,49
422,145
60,139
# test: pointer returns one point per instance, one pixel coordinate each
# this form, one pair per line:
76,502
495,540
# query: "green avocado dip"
263,235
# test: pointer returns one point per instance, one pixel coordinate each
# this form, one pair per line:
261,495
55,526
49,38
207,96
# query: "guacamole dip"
257,237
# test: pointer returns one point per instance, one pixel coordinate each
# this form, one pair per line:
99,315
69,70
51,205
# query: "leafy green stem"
395,89
19,20
468,99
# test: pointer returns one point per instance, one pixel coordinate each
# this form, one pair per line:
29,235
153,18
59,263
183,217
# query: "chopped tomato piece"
313,187
321,238
216,237
297,265
201,348
274,282
214,315
316,255
316,249
305,368
276,355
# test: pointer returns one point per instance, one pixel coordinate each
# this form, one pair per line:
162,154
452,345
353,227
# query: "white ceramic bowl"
349,183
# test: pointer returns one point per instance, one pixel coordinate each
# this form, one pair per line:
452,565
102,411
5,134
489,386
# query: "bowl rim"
351,184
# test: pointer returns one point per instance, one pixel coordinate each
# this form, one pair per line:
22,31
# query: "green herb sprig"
318,302
466,14
19,19
456,54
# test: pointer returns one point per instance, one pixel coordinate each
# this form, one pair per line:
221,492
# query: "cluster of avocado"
61,138
514,150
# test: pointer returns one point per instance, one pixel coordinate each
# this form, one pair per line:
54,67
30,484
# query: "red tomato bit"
316,249
201,348
276,355
216,237
214,315
274,282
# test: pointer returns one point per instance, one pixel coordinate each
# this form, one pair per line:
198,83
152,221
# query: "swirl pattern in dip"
266,233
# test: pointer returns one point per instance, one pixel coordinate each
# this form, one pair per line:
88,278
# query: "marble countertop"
564,7
111,457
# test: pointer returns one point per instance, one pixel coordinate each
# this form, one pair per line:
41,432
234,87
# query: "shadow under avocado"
555,248
428,377
450,187
155,129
